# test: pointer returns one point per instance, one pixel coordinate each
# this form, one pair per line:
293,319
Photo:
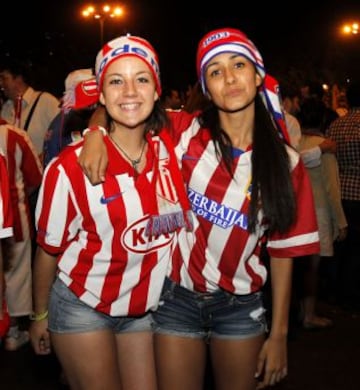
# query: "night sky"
56,39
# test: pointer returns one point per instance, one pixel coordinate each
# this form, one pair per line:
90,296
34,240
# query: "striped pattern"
25,173
107,260
220,252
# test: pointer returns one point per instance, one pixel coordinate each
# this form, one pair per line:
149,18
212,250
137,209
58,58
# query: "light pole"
102,13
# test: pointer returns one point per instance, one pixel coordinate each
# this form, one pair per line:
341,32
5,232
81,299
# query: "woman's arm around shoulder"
93,158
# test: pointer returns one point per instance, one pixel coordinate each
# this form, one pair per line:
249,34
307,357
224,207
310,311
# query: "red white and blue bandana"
127,46
230,40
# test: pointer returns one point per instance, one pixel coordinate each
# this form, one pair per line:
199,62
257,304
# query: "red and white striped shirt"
6,219
106,259
25,172
220,253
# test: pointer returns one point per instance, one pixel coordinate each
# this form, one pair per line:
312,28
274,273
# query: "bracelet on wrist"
95,128
39,317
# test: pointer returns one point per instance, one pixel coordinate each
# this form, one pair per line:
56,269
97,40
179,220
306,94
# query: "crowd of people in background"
56,249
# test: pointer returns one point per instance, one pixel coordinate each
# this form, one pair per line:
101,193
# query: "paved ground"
327,359
318,360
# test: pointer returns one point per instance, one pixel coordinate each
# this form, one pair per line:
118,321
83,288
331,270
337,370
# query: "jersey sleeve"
56,212
303,237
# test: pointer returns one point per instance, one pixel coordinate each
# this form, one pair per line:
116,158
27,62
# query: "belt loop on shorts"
170,284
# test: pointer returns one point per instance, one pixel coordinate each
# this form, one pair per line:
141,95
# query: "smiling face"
231,81
129,91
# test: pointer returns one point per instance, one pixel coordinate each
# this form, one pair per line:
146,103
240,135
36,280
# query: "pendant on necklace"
134,162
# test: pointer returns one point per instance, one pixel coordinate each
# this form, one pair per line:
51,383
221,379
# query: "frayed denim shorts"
220,314
68,314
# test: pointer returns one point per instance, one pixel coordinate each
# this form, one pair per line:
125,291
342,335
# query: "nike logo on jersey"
109,199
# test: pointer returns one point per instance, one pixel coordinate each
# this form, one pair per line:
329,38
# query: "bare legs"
234,363
102,361
181,362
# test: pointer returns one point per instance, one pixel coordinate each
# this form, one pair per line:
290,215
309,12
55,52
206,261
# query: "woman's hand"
93,157
272,362
342,234
40,337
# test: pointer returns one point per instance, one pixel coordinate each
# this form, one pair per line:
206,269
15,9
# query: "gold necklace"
134,162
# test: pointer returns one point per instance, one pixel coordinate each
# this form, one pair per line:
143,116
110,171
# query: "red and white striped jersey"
220,253
6,218
105,257
25,172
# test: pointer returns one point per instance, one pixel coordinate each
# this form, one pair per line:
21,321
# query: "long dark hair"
270,168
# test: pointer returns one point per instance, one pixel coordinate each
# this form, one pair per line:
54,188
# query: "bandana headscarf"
127,46
230,40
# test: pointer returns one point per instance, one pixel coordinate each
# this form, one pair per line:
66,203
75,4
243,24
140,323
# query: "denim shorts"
68,314
220,314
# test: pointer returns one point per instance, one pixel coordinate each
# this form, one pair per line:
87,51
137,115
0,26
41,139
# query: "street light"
348,54
352,28
102,13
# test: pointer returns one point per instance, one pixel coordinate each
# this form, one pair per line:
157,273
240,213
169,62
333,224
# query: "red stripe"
7,216
116,270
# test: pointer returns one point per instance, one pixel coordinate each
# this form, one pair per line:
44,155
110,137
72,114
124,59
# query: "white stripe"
234,48
302,239
6,232
57,215
275,102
